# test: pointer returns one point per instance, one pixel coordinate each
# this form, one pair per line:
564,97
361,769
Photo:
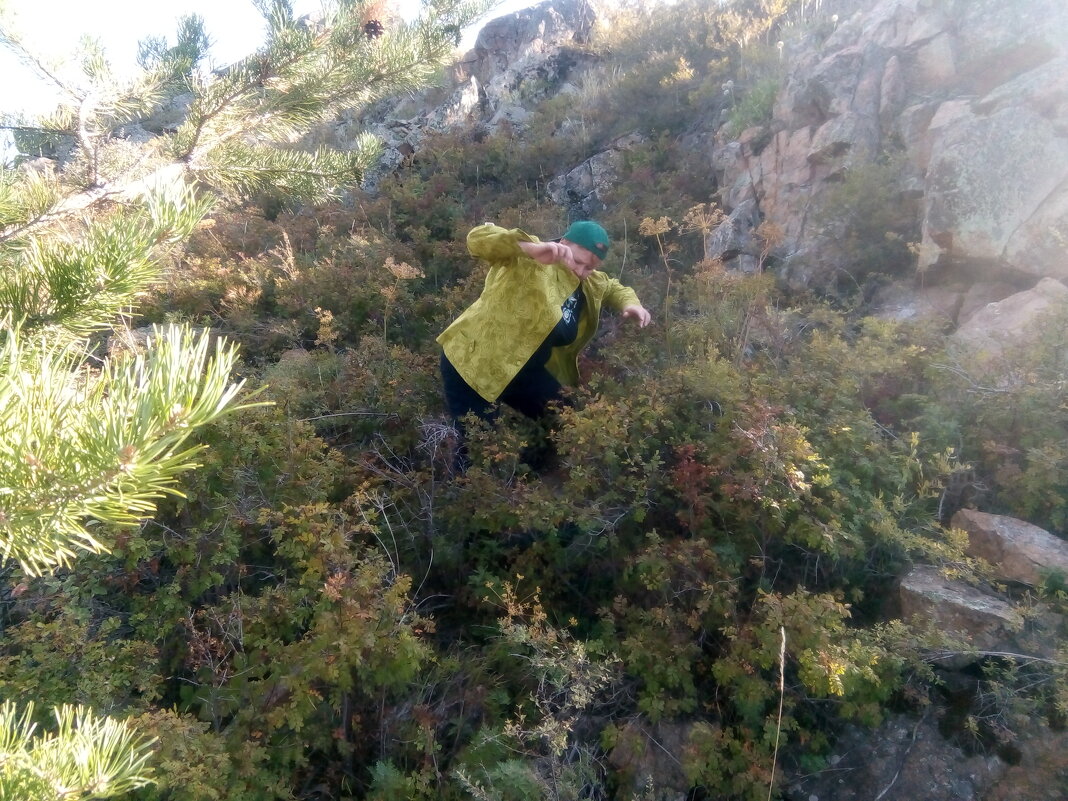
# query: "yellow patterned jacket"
519,306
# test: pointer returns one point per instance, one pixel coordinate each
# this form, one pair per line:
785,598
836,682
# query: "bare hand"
549,253
638,312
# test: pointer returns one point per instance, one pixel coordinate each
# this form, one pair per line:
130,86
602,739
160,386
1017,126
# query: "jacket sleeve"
617,296
495,244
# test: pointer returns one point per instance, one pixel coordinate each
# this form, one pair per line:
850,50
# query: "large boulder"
981,619
976,621
583,189
1017,550
1014,320
986,181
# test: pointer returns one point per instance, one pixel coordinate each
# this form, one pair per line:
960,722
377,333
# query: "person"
518,343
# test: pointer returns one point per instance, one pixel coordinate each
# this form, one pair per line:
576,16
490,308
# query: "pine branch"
79,445
303,79
26,195
87,756
300,78
65,209
247,77
244,171
79,286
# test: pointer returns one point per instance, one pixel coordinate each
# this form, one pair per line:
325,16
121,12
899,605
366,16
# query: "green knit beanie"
590,235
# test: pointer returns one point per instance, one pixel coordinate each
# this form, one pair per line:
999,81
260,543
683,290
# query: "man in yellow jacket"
519,342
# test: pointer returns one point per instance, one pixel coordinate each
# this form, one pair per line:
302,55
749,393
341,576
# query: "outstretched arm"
626,301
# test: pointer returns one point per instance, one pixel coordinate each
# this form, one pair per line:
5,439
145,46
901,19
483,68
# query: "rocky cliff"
973,97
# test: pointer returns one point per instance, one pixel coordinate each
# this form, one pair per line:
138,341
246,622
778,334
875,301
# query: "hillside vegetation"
327,611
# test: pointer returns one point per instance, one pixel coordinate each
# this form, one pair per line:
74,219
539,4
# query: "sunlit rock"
1017,550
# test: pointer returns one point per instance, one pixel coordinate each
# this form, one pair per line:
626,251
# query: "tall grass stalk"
778,721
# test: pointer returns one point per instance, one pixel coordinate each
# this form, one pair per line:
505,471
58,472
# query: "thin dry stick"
915,729
778,723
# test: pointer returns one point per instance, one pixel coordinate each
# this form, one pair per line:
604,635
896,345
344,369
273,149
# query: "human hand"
638,312
549,252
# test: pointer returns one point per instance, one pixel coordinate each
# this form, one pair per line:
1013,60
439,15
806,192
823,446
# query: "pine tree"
89,441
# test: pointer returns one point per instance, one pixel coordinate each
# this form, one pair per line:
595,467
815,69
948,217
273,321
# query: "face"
586,261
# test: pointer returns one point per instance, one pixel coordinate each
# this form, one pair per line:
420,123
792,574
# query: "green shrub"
870,220
755,106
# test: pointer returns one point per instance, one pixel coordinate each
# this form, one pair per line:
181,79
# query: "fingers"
563,254
639,313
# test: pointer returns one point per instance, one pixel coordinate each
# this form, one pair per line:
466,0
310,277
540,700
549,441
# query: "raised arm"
495,244
499,245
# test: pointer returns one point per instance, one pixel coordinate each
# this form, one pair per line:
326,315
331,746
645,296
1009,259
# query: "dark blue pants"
530,393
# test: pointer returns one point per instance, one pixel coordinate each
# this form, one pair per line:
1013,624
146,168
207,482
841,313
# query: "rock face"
1018,551
1042,771
534,47
649,754
907,759
168,115
987,186
912,758
969,97
902,760
972,93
